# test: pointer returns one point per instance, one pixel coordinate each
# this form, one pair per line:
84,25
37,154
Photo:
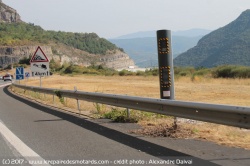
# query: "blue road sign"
19,73
27,74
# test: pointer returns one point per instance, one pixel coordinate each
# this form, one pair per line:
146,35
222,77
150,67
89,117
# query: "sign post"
27,75
39,64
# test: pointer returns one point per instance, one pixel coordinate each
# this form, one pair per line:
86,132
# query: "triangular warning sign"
39,56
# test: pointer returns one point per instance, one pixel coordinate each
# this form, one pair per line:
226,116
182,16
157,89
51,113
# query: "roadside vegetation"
224,71
220,85
17,34
229,91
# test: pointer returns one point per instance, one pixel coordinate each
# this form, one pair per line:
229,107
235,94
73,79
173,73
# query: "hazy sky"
113,18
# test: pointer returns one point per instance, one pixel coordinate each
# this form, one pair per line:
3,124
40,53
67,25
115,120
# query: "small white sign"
39,69
166,93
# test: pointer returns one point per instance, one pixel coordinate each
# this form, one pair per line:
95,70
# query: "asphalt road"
31,131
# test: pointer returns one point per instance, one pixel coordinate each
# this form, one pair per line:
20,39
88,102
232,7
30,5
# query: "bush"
120,116
140,73
183,71
231,71
54,65
153,72
73,69
25,60
125,73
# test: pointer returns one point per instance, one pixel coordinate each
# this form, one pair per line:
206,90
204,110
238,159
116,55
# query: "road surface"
33,134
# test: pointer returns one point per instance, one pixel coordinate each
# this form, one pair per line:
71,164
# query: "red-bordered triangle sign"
39,56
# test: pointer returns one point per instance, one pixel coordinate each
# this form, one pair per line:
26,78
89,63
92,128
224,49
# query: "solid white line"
5,84
21,147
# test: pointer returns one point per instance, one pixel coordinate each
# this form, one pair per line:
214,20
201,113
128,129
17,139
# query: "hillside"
22,34
18,40
226,45
144,50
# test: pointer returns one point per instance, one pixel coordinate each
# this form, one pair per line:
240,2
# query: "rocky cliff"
8,15
117,60
9,55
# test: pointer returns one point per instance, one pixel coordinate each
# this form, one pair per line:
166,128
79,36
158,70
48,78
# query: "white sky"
113,18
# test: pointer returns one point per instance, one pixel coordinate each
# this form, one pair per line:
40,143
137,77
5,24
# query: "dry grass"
220,91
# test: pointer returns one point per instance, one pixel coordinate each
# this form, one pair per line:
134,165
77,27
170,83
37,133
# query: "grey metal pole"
165,61
40,81
166,69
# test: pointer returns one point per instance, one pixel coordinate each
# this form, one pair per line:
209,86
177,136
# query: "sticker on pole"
39,64
166,93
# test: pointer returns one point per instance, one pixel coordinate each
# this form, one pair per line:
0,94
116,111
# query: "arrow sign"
19,73
27,74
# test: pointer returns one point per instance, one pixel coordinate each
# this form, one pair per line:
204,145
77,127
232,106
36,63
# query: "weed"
118,115
59,95
100,108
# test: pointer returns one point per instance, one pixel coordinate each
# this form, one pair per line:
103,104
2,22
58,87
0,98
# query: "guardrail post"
78,106
128,113
78,102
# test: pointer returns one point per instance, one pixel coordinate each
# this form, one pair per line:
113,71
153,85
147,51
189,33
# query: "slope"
226,45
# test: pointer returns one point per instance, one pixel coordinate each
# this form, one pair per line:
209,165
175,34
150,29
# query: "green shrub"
152,72
231,71
140,73
125,73
73,69
183,71
118,115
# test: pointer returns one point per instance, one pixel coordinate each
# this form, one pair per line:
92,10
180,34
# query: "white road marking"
21,147
5,84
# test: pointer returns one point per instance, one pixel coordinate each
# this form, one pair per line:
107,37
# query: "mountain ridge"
228,45
144,50
185,33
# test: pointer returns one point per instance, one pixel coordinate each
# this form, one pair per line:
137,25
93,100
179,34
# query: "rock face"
117,60
8,15
9,55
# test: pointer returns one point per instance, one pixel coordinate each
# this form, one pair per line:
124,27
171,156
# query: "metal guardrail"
237,116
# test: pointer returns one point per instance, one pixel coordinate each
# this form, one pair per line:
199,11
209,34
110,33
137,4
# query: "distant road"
35,132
